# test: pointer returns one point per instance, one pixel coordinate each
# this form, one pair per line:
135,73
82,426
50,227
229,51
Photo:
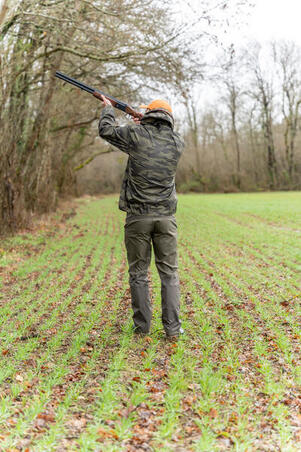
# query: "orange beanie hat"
158,104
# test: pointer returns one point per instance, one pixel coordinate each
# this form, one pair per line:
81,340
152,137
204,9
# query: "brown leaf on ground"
138,379
155,389
190,429
106,434
213,413
297,436
284,303
46,417
78,423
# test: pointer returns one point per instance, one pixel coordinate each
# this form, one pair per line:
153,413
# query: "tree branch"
120,57
46,17
107,13
74,125
81,165
7,25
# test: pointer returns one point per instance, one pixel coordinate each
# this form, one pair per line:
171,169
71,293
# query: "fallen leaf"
46,417
213,413
12,421
78,423
107,433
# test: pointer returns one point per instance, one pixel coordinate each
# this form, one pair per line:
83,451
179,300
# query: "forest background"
244,137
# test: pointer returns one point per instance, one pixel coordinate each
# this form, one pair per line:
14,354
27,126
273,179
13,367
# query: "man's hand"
136,120
104,100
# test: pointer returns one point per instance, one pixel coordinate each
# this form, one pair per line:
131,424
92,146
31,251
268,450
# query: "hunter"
148,197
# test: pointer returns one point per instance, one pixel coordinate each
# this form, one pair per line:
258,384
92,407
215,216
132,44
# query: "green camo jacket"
154,150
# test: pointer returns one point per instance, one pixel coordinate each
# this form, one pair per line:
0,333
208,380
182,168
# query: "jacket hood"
154,115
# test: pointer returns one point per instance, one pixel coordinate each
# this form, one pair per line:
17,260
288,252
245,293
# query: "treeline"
122,46
248,137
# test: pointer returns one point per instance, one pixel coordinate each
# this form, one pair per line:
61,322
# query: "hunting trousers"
142,232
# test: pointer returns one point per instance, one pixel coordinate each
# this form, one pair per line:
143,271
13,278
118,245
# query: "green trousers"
142,233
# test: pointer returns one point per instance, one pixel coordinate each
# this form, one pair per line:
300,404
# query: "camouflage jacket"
154,150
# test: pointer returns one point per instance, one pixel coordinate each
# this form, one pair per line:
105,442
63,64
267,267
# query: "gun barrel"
74,82
121,105
115,102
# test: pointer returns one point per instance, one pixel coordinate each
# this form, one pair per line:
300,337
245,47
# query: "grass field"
73,376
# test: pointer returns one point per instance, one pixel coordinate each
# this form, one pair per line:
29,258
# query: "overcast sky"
274,19
268,19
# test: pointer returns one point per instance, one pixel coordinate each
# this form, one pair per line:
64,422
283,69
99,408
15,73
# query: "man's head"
158,104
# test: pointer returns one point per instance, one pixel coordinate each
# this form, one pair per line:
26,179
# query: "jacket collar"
154,115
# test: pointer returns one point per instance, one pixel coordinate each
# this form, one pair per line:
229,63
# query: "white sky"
268,19
273,19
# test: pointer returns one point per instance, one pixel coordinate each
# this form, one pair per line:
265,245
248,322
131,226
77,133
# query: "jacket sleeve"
118,136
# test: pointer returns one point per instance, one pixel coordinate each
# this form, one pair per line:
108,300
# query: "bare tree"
287,57
262,91
229,75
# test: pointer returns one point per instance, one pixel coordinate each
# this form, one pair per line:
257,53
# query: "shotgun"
97,93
